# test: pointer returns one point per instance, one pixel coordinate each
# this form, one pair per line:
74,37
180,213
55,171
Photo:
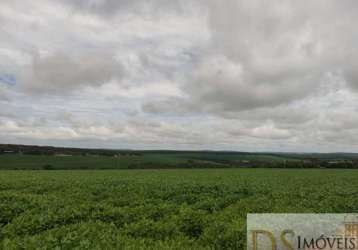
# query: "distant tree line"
46,150
316,163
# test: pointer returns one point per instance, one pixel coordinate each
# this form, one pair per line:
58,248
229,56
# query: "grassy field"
158,209
145,160
84,162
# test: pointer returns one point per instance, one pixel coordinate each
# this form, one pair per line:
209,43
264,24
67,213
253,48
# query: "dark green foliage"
48,167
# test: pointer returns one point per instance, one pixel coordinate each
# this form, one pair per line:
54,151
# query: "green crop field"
145,160
158,209
83,162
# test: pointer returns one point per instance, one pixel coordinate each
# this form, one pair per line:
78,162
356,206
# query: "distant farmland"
51,158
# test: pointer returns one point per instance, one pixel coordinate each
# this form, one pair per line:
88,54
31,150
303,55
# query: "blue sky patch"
8,79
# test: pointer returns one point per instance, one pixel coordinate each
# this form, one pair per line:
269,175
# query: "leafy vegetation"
158,209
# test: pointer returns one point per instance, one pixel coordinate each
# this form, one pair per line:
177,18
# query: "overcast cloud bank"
244,75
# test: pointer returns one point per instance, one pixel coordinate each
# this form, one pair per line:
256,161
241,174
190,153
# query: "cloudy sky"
253,75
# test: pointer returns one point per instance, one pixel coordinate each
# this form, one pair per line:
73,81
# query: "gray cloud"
269,54
245,75
3,94
227,86
275,41
61,72
107,8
